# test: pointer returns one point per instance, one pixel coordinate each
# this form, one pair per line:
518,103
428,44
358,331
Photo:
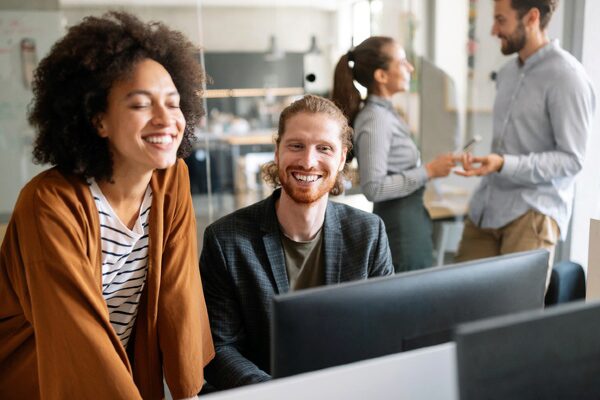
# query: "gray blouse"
388,159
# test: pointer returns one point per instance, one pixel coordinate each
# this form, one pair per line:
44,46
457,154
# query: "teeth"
306,178
164,139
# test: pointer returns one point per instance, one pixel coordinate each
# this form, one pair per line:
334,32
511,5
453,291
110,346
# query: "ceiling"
321,4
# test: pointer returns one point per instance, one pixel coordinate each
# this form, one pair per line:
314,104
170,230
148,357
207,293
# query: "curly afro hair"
72,84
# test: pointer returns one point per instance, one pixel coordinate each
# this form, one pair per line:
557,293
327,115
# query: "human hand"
440,166
487,164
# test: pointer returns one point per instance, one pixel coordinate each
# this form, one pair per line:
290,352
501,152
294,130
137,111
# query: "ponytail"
366,58
345,95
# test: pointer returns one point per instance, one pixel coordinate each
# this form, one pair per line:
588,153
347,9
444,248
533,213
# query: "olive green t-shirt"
304,262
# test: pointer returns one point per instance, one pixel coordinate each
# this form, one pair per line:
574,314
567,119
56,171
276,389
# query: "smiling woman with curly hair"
72,84
100,291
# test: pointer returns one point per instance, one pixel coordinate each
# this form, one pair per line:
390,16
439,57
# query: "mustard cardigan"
56,340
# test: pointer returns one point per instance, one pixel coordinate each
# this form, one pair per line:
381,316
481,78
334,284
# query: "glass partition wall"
260,55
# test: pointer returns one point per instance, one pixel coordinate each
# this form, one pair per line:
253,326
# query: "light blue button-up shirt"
542,116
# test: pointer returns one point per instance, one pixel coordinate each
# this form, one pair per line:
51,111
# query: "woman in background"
100,290
391,174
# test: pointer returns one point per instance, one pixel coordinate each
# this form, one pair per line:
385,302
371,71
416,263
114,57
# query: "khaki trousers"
532,230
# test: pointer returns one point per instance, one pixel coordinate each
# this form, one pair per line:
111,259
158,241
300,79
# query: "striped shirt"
388,160
124,262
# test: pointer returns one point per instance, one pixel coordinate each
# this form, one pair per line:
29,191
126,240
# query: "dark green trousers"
409,230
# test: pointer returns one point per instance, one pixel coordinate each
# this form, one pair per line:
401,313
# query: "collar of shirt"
539,55
380,101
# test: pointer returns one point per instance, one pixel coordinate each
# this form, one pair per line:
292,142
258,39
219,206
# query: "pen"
469,145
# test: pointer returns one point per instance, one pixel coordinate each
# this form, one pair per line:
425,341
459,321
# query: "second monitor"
335,325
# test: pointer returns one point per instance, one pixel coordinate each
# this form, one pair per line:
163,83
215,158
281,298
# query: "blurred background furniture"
567,283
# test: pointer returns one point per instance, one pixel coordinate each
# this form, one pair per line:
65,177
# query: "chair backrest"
567,283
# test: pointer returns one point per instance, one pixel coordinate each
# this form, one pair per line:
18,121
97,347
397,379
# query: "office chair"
567,283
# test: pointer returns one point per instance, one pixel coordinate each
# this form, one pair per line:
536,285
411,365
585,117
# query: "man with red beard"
542,114
294,239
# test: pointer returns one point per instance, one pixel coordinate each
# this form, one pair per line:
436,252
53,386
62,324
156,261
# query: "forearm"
72,328
184,335
538,168
182,323
59,291
231,369
393,186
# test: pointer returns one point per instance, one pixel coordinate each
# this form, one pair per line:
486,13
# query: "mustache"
297,168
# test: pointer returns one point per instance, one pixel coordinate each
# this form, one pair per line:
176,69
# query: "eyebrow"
317,142
147,93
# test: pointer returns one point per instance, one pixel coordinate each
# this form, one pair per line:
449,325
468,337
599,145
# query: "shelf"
253,92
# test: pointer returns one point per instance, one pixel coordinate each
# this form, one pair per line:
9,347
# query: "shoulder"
571,86
55,208
561,59
372,120
244,222
52,190
355,221
171,190
371,112
566,72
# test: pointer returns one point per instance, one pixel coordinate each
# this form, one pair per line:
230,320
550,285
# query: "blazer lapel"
272,242
332,246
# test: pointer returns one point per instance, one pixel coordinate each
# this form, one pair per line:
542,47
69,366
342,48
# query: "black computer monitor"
550,354
335,325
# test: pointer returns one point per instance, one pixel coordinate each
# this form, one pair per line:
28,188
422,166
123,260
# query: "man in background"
542,114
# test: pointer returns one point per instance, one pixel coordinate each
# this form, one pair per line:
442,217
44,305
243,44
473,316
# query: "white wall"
184,19
451,34
248,29
587,191
235,28
393,20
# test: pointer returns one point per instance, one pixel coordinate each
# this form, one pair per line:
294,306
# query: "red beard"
305,194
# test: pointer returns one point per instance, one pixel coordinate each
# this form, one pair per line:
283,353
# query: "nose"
494,31
160,115
308,158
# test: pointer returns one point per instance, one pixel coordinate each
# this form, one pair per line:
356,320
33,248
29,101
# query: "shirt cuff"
421,175
511,163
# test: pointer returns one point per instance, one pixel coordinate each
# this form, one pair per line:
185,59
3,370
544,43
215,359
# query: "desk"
257,141
422,374
447,206
258,137
447,202
443,202
245,181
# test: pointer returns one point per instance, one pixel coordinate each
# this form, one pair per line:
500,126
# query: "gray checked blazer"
243,267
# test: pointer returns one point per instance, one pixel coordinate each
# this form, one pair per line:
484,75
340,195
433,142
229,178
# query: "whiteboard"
42,28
